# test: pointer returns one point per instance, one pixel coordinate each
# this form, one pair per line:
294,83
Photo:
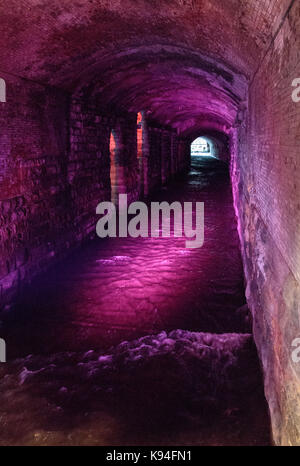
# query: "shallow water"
185,388
95,354
123,288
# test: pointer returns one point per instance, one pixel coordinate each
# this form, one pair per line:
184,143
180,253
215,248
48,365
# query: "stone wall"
266,173
34,195
88,164
55,168
168,155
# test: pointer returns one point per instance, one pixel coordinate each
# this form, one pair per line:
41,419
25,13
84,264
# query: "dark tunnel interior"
143,340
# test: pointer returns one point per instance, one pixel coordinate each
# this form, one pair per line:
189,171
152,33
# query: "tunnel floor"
139,341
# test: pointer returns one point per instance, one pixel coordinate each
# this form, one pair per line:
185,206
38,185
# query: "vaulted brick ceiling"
186,62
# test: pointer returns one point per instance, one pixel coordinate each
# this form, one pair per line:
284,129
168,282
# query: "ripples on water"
84,385
180,388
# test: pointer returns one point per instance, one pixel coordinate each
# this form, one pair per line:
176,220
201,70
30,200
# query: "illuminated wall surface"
103,98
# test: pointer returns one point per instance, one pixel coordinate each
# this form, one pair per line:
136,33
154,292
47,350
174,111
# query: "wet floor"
128,287
108,364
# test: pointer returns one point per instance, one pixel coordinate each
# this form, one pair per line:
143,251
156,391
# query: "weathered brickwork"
190,68
267,191
88,164
34,198
168,156
55,169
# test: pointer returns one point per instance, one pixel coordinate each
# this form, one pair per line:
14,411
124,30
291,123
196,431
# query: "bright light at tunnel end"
202,147
187,221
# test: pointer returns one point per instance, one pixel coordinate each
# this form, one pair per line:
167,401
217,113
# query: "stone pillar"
173,155
165,156
117,165
144,161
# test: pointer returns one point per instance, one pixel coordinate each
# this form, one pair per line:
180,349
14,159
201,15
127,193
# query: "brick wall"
34,196
168,156
54,170
266,174
88,164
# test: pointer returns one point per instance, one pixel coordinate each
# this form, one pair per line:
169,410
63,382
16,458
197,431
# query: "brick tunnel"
140,340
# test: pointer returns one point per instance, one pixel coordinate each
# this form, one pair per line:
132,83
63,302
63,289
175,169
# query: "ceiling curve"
185,62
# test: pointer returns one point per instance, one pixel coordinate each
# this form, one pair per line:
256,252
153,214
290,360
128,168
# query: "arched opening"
201,147
211,144
103,62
